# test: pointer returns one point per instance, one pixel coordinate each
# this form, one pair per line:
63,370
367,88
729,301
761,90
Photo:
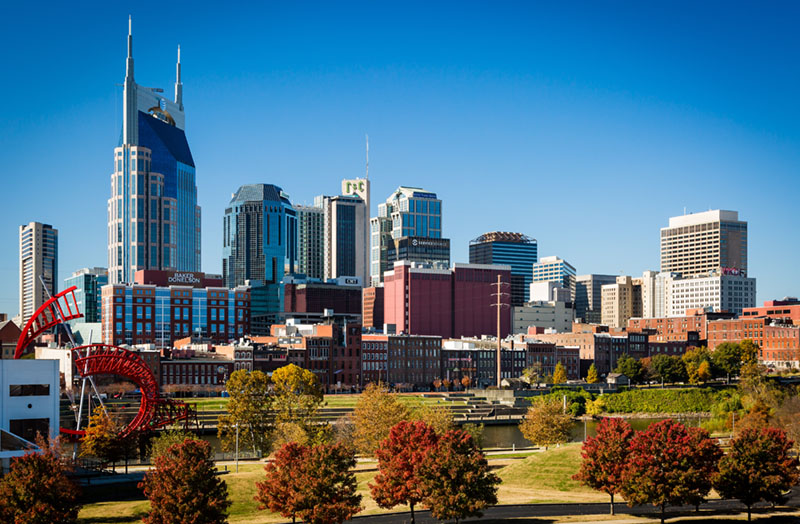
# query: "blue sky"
584,125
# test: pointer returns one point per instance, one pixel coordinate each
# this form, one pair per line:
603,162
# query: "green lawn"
331,401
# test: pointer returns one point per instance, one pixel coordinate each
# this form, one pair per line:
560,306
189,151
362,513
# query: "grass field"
541,477
331,401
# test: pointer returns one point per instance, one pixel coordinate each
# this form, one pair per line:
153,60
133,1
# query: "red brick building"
779,340
677,328
788,308
315,297
373,307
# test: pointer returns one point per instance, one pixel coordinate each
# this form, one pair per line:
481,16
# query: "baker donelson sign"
183,278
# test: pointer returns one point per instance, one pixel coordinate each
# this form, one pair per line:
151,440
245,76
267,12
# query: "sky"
585,125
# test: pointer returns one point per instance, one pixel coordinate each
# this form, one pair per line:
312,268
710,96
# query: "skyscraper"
512,249
696,244
88,296
38,257
554,269
409,224
346,223
310,241
588,296
153,216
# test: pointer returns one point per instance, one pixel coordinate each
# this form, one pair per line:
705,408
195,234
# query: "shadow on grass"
130,519
762,515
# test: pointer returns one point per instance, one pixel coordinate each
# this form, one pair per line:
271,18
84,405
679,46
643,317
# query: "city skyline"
610,158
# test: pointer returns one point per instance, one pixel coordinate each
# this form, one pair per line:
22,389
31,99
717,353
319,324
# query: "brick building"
677,328
373,307
779,340
788,308
307,299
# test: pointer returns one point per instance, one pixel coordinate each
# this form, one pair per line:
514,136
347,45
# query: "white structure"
547,291
717,292
361,188
29,402
555,314
38,256
345,236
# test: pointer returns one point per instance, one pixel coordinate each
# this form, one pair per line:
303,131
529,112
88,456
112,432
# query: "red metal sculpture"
55,311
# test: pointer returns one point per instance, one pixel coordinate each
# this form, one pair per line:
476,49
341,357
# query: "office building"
668,329
360,187
430,252
153,216
312,301
549,291
449,303
408,212
696,244
310,241
717,292
787,308
557,315
621,301
778,339
38,267
372,309
554,269
588,296
88,298
345,247
511,249
405,361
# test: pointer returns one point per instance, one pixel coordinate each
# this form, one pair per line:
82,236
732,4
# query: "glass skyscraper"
514,249
554,269
88,296
153,216
38,257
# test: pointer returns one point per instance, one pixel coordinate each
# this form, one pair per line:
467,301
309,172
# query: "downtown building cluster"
358,298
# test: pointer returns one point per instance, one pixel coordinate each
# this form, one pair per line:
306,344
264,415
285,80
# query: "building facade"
346,223
89,282
556,315
588,296
38,261
310,241
778,340
308,300
372,309
718,292
554,269
512,249
788,308
153,216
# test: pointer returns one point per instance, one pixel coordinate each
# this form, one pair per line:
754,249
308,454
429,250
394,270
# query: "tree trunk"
662,513
412,513
748,512
612,503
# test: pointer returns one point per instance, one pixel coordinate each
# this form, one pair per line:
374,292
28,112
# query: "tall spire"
129,61
367,174
130,124
178,84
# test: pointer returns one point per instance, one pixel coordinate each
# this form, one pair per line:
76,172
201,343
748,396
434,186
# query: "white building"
547,291
719,292
554,314
38,257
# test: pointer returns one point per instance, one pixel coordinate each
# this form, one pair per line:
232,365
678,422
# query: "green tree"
376,412
591,375
631,368
546,424
249,408
533,373
297,395
728,358
184,487
37,490
440,418
693,360
750,351
667,368
164,441
560,374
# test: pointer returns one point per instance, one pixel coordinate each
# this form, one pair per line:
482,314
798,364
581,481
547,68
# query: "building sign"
184,278
430,242
356,186
734,272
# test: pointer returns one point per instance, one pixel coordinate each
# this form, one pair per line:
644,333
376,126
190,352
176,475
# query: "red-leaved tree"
37,490
456,479
280,491
328,485
605,457
664,466
184,488
400,457
757,467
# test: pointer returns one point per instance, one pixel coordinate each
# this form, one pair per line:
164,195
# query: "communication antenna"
499,305
367,176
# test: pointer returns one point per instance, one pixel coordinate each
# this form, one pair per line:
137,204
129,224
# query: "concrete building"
361,187
307,300
153,216
554,269
621,301
346,223
449,303
511,249
588,296
718,292
696,244
88,282
29,399
549,291
310,241
408,212
557,315
38,260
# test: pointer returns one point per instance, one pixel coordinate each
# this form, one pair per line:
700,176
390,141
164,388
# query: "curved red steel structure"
55,311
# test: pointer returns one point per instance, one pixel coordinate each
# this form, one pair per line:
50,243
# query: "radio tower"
367,176
499,305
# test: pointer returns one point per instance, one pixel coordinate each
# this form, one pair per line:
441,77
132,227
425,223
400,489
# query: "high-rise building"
554,269
310,241
696,244
408,212
514,249
346,223
716,292
88,296
38,257
361,188
588,296
153,216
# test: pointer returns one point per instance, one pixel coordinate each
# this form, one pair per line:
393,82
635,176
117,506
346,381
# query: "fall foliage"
249,406
560,374
591,375
184,488
376,412
546,424
280,490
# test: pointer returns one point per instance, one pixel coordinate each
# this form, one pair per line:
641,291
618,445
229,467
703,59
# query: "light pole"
237,447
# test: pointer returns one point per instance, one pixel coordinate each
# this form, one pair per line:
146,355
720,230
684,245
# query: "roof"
259,193
173,138
504,236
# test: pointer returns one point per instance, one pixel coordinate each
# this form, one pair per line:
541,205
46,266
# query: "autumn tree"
546,424
631,368
697,362
250,409
455,478
376,412
591,375
328,485
37,490
400,457
728,358
667,368
280,492
668,465
605,457
560,374
757,467
533,373
466,381
102,438
297,395
184,488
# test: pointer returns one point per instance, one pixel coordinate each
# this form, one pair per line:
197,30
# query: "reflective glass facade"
87,295
512,249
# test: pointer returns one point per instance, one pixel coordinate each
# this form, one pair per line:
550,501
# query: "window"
29,390
28,428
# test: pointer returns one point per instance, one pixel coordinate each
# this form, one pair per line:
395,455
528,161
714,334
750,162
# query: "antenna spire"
367,176
129,61
178,84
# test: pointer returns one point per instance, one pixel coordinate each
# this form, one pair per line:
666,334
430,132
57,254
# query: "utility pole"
499,305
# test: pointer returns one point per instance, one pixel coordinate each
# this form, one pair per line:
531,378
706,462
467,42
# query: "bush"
692,400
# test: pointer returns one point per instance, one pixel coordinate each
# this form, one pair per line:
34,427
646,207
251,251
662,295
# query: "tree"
466,381
250,409
297,395
605,457
37,490
456,479
546,424
749,351
376,412
400,457
728,358
757,467
666,468
631,368
164,441
102,438
328,486
696,359
440,418
704,372
533,373
280,491
560,374
184,488
667,368
591,375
